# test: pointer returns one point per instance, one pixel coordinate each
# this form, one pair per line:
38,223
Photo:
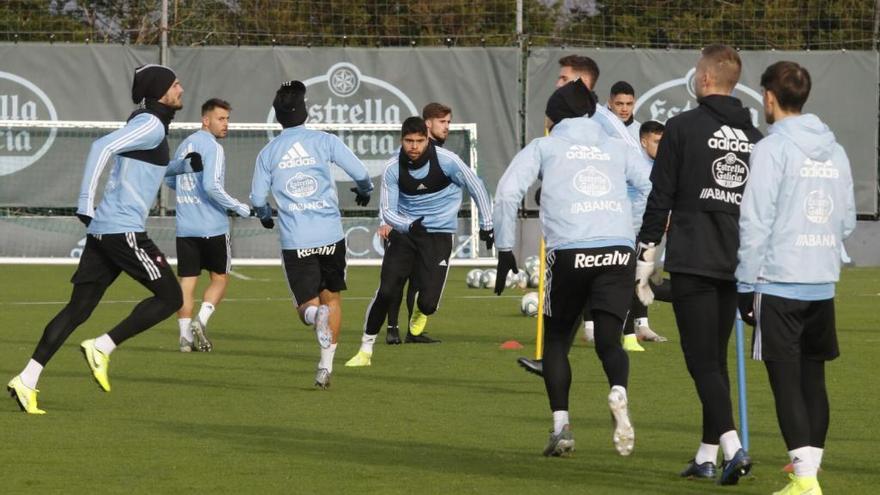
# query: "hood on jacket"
579,130
809,134
727,110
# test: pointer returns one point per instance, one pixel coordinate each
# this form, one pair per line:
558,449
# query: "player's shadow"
507,464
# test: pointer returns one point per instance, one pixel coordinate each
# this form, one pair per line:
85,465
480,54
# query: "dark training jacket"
699,174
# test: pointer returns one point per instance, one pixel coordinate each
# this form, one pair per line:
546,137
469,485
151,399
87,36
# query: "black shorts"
311,270
197,253
106,255
603,276
789,329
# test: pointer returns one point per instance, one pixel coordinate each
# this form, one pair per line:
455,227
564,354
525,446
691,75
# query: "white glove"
657,276
644,270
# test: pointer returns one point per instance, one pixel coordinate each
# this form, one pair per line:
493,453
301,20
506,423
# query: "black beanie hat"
572,100
151,81
290,104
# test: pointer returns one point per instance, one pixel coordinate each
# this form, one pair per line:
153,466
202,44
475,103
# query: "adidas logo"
443,263
296,156
421,187
730,139
578,152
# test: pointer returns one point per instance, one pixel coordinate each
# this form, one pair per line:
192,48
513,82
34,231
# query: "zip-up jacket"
797,209
699,174
584,174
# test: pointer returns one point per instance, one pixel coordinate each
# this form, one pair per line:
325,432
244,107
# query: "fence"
676,24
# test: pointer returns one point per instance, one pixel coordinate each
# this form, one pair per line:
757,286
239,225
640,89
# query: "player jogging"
437,118
586,220
116,239
699,175
295,168
202,225
420,199
797,209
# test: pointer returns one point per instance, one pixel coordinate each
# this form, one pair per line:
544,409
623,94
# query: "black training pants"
422,258
103,259
704,312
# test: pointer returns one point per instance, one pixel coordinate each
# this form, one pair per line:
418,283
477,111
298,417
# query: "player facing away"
699,175
437,118
586,220
797,209
420,199
295,168
116,239
202,224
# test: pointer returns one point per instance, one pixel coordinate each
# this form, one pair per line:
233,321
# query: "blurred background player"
637,321
587,223
203,225
797,209
116,239
699,175
622,101
437,117
295,168
420,200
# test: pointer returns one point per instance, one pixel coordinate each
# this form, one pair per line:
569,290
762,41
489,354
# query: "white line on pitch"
231,299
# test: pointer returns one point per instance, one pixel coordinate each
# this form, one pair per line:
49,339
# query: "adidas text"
730,139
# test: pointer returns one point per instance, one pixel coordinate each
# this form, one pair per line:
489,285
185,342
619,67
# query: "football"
528,305
475,278
488,278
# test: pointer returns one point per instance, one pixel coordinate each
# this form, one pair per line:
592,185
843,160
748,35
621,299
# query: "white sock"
817,456
803,461
30,375
560,419
619,389
205,312
105,344
185,330
309,315
730,444
706,453
327,358
641,322
367,342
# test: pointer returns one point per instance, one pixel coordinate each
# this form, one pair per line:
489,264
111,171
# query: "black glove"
265,215
195,161
362,199
85,219
746,303
488,236
538,197
506,263
417,227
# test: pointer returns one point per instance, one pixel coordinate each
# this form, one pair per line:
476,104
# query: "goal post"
44,192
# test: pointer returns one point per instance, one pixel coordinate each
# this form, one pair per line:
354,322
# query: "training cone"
511,344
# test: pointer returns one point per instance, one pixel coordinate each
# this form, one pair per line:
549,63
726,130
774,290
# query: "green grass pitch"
459,417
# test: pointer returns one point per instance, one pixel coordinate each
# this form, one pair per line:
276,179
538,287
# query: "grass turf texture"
458,417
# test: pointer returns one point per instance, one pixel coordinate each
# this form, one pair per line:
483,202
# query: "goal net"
41,166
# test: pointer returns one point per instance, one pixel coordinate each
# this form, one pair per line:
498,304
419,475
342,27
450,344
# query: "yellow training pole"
539,344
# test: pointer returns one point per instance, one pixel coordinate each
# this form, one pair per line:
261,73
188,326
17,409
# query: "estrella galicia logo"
666,100
729,171
592,182
818,206
23,100
301,185
344,95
